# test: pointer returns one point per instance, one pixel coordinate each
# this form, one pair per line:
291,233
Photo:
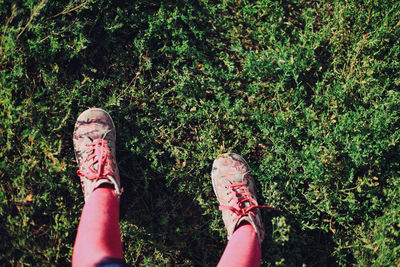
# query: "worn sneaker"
234,188
94,144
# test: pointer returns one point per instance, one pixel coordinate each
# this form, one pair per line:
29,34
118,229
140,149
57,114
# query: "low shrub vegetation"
308,92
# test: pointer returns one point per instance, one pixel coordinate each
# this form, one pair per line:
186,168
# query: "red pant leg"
243,249
98,234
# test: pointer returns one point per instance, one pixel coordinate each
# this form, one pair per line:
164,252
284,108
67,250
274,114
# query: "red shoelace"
241,195
100,154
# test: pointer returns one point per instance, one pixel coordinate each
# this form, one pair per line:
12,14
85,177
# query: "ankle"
245,224
106,185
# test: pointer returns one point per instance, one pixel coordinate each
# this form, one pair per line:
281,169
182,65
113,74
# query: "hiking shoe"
94,144
234,188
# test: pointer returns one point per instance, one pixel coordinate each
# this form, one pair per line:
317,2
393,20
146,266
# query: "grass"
307,91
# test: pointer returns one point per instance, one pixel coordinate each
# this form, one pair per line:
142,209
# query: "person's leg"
98,239
234,188
243,249
98,234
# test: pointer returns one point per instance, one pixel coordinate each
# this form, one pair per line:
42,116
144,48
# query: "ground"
308,92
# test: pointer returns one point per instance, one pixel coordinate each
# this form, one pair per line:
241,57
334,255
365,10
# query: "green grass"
307,91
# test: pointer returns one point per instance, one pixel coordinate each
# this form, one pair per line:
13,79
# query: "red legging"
99,238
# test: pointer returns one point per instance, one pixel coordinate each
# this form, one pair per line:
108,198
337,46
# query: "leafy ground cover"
307,91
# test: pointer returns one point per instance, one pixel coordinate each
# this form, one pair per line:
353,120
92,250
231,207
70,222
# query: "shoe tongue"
237,177
95,166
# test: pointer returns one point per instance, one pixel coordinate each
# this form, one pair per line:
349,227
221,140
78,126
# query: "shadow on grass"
168,221
309,247
172,227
